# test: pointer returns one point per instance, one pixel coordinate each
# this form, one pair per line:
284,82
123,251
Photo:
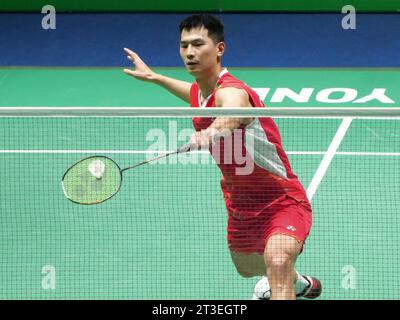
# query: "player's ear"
220,49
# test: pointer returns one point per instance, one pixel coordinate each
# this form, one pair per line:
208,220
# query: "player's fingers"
205,142
196,139
134,56
202,138
139,63
130,52
193,139
131,73
205,134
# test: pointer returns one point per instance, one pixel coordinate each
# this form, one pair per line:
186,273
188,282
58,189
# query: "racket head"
81,186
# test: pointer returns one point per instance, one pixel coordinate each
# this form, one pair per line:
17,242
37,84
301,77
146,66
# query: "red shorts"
287,216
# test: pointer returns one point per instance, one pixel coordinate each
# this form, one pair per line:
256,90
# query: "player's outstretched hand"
142,71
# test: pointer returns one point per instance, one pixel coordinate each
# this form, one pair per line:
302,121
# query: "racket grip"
194,146
188,147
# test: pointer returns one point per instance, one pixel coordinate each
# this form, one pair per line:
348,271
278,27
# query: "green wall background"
196,5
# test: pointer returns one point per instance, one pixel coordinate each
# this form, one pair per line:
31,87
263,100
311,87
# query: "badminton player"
269,215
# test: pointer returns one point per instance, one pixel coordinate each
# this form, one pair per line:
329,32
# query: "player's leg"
253,264
285,242
280,257
247,244
288,231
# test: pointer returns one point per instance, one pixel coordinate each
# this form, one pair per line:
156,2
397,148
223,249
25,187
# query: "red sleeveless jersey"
255,168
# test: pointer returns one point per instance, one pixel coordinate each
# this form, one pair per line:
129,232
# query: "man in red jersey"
269,215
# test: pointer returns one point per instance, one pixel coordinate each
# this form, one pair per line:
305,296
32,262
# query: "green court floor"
163,236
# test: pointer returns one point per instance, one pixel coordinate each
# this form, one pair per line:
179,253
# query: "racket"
96,179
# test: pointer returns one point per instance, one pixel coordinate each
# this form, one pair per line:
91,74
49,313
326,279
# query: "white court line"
387,154
305,152
326,161
346,153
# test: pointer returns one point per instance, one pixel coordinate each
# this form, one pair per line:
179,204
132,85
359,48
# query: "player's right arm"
179,88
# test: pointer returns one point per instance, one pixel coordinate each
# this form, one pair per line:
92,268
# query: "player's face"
199,52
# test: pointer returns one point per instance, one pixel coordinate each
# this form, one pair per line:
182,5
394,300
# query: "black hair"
214,26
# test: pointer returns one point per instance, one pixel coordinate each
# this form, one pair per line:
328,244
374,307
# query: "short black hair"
214,26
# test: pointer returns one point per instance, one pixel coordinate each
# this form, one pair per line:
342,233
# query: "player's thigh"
248,264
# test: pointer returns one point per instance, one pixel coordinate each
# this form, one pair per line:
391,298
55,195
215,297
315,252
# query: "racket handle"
194,146
187,147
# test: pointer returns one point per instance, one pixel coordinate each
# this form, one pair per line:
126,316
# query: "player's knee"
279,263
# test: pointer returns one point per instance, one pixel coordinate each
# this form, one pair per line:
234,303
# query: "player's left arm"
224,98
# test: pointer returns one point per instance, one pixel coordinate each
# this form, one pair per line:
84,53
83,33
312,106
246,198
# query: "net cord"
297,112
